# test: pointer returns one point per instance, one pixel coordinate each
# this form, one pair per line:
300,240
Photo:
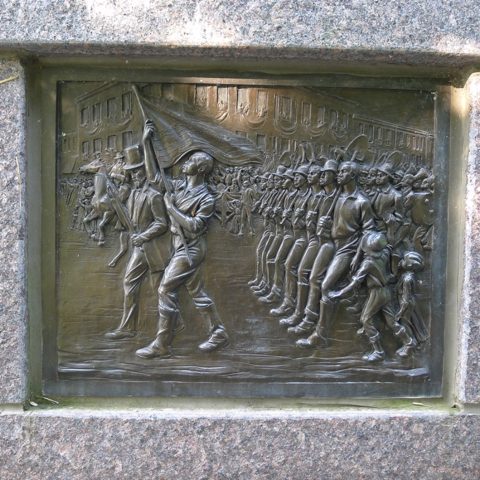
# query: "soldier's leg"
304,271
291,278
261,252
218,337
135,272
279,270
337,269
322,261
270,260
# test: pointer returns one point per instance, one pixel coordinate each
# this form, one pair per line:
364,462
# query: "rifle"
166,182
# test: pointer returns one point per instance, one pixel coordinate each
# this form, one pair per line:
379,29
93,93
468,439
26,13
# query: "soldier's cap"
281,169
289,172
303,170
119,156
330,166
386,168
133,157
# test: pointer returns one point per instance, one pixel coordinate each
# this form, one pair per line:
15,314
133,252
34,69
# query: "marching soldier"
352,219
305,318
278,255
300,241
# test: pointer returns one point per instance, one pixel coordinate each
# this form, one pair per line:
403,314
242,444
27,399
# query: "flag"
180,130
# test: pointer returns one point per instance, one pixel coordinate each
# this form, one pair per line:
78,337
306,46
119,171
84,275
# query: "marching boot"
377,352
218,336
272,297
408,341
158,348
263,291
119,334
306,326
258,286
319,338
218,339
284,309
294,319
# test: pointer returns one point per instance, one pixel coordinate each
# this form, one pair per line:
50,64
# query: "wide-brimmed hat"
386,168
134,157
302,170
330,166
281,169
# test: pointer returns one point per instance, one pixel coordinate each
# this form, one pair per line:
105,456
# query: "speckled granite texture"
435,32
442,37
12,233
469,344
91,445
438,26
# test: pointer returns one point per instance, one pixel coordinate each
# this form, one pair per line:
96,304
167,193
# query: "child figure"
374,270
407,316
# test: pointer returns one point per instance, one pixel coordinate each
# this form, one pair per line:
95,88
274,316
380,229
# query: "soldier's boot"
265,290
286,308
273,296
306,326
294,319
218,336
160,347
119,334
377,353
258,286
319,338
409,343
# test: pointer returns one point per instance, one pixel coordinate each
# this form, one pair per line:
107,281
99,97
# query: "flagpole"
166,182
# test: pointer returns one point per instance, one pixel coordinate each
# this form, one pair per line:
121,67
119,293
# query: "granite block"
12,233
79,444
469,337
351,31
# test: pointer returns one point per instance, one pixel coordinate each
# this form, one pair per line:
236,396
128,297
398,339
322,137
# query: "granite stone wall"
208,440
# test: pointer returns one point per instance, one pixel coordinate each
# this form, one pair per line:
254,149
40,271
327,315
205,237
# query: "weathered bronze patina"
235,239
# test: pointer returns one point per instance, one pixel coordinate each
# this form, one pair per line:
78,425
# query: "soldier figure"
269,213
352,218
283,213
387,204
189,206
260,206
303,321
297,250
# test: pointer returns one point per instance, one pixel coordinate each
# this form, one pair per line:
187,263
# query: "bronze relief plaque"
245,238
